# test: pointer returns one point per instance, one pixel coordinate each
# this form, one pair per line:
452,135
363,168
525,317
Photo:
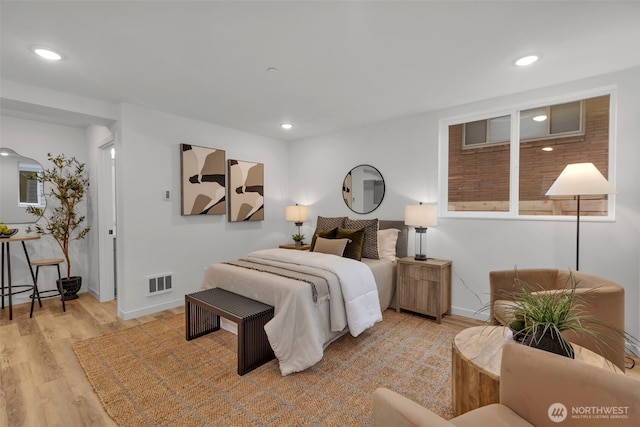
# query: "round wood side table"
476,362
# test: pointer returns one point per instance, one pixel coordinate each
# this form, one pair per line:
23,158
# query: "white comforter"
295,332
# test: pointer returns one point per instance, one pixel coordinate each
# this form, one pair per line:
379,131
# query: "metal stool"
36,293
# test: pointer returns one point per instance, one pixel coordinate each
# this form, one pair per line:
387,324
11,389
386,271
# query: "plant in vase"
67,184
298,239
540,317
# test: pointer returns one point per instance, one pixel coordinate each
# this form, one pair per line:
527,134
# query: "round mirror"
363,189
19,188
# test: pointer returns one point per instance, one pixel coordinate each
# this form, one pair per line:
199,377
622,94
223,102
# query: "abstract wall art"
246,191
203,180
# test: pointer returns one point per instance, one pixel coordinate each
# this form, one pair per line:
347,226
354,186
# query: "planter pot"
298,243
70,287
546,342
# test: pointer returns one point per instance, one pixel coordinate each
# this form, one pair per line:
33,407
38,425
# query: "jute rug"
149,375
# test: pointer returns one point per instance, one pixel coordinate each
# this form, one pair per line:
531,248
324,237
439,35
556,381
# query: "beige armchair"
535,387
601,299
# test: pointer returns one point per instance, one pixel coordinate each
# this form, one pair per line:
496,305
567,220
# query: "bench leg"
199,321
253,345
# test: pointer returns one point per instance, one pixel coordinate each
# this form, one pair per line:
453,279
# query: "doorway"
107,222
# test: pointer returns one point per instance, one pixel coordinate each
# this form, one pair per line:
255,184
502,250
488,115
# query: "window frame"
514,156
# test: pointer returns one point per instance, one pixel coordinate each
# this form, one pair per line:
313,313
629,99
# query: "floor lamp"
580,179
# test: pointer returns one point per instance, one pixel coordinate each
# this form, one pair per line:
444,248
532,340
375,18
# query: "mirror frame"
347,189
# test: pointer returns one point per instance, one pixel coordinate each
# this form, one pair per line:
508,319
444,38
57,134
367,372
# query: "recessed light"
547,149
286,126
46,53
527,60
4,153
540,118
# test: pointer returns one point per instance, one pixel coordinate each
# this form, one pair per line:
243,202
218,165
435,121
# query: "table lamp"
421,216
297,214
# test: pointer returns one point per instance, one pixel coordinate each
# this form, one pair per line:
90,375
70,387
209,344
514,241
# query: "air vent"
159,284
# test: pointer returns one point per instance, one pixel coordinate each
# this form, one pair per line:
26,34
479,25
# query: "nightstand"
424,286
304,247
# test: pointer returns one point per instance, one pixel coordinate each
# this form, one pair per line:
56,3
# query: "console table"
6,256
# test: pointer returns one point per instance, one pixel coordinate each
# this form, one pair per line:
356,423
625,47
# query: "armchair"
601,299
535,387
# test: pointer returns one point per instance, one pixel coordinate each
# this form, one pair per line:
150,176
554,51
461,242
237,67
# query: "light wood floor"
41,381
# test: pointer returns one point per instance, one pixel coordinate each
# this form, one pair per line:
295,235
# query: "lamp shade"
421,215
296,213
580,179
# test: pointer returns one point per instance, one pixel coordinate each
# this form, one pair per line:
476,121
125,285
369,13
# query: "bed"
317,297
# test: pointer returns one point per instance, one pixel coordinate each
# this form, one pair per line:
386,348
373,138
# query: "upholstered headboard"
403,236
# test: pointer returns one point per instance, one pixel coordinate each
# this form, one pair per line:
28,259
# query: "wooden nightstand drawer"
424,286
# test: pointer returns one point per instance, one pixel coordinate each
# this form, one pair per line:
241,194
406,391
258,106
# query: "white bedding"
298,331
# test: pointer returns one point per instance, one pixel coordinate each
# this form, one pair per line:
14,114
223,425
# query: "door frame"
106,220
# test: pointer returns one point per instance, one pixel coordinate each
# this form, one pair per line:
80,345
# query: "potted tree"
67,184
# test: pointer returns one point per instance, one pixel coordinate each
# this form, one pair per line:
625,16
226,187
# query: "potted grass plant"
66,184
298,239
541,317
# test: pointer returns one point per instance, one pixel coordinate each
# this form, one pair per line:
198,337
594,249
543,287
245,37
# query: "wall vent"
159,284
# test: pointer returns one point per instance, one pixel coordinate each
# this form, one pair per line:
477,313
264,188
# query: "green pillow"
327,234
354,248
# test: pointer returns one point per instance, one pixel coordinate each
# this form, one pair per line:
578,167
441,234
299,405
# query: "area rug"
149,375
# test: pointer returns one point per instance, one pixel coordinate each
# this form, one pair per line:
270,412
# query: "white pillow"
330,246
387,240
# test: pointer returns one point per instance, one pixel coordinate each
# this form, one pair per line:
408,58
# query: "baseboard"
470,313
127,315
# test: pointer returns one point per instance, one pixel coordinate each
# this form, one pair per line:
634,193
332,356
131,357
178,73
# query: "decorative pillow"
370,247
387,240
326,223
330,246
354,247
327,234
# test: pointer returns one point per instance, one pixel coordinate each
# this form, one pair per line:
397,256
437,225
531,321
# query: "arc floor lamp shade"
580,179
421,216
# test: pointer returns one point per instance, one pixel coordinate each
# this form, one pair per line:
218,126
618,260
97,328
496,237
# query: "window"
489,131
552,121
31,190
489,171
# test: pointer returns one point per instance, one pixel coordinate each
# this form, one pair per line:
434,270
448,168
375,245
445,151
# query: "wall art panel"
203,181
246,191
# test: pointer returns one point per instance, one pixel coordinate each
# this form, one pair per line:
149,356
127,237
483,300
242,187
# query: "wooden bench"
202,315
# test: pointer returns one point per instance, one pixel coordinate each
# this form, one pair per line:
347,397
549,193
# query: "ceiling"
340,64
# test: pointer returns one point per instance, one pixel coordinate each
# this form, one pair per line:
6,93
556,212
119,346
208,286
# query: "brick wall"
479,177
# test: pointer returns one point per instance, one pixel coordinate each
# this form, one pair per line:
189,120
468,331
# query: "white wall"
153,237
405,151
34,139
